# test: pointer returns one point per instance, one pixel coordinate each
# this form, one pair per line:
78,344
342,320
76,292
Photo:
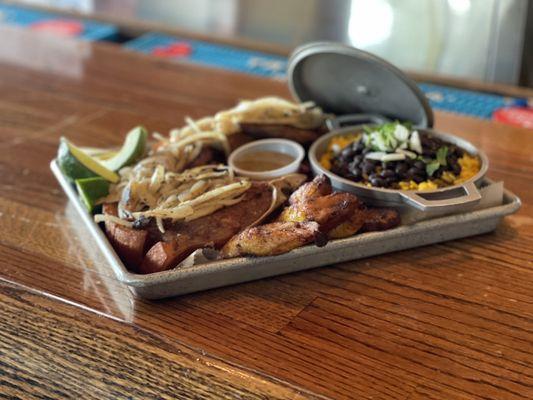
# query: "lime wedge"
70,166
77,164
91,190
132,149
99,154
105,156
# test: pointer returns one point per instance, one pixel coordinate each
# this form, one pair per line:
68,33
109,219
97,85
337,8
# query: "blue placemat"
49,22
220,56
476,104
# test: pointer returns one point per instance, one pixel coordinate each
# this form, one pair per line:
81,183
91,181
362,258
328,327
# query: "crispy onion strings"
111,218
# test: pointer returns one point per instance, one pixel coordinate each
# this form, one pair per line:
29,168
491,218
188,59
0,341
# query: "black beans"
377,182
355,170
415,174
389,165
391,181
412,172
452,160
367,167
353,167
356,175
351,163
401,168
409,162
359,146
456,169
387,173
347,152
357,160
418,178
419,165
455,151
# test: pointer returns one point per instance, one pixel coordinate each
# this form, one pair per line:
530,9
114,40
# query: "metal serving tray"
228,272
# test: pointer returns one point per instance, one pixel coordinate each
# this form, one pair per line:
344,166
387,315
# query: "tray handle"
355,119
451,200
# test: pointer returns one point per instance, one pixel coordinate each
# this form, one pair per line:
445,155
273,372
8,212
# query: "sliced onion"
195,190
414,142
204,124
176,213
380,143
336,148
408,153
160,138
207,136
159,223
401,133
269,110
111,218
393,157
157,178
375,155
209,209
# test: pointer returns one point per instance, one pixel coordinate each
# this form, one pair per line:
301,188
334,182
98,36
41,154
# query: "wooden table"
448,321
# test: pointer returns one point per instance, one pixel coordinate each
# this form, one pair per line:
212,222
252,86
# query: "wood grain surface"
60,351
448,321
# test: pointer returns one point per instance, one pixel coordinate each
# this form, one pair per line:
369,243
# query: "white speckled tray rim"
228,272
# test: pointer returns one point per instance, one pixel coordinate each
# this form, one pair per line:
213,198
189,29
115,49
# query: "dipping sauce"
259,161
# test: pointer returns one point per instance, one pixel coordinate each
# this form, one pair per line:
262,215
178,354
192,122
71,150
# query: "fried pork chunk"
273,239
182,238
260,131
128,243
166,250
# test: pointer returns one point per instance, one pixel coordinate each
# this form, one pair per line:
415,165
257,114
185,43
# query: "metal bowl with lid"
360,88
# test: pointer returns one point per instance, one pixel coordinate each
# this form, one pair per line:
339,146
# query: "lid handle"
445,201
355,119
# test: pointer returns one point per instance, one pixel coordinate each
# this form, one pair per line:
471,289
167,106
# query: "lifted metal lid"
344,80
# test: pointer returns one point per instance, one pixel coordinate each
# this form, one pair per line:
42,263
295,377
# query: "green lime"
70,166
91,190
133,148
77,164
99,154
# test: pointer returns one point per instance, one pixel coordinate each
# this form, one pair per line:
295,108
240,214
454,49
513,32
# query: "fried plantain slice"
273,239
380,219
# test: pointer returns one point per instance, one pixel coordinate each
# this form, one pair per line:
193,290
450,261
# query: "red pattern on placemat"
59,27
518,116
180,49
